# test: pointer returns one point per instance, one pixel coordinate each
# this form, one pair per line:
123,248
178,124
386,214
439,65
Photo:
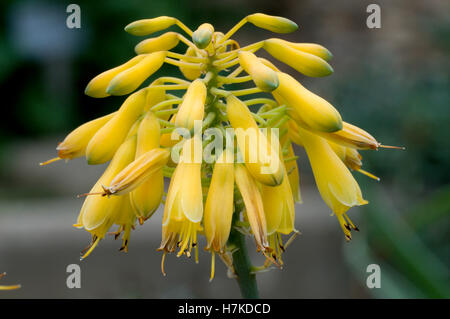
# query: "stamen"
213,265
12,287
162,263
95,193
50,161
368,174
94,244
350,222
291,239
393,147
196,246
344,226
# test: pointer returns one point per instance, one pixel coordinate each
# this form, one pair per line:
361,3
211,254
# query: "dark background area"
393,82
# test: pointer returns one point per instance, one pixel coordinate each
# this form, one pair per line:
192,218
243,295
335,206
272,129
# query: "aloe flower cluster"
250,180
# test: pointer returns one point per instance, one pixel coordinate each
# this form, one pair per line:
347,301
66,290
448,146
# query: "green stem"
242,266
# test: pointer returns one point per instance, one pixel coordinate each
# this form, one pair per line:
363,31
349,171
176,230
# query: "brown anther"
348,227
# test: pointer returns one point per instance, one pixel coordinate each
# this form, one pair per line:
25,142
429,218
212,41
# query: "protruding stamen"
50,161
368,174
162,263
291,239
89,194
213,265
94,244
393,147
351,223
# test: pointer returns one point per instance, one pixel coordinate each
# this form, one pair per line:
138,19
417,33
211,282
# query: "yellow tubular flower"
312,48
74,145
129,80
303,62
164,42
138,171
279,210
278,207
147,197
336,184
272,23
193,106
254,207
203,35
351,158
98,85
306,108
219,203
261,159
263,76
183,211
106,141
99,213
149,26
189,72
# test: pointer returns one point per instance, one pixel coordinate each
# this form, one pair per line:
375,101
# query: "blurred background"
392,81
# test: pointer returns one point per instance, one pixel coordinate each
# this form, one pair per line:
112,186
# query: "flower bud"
149,26
303,62
190,73
74,145
107,140
203,35
306,108
264,77
193,106
312,48
98,85
164,42
272,23
146,198
130,79
261,159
